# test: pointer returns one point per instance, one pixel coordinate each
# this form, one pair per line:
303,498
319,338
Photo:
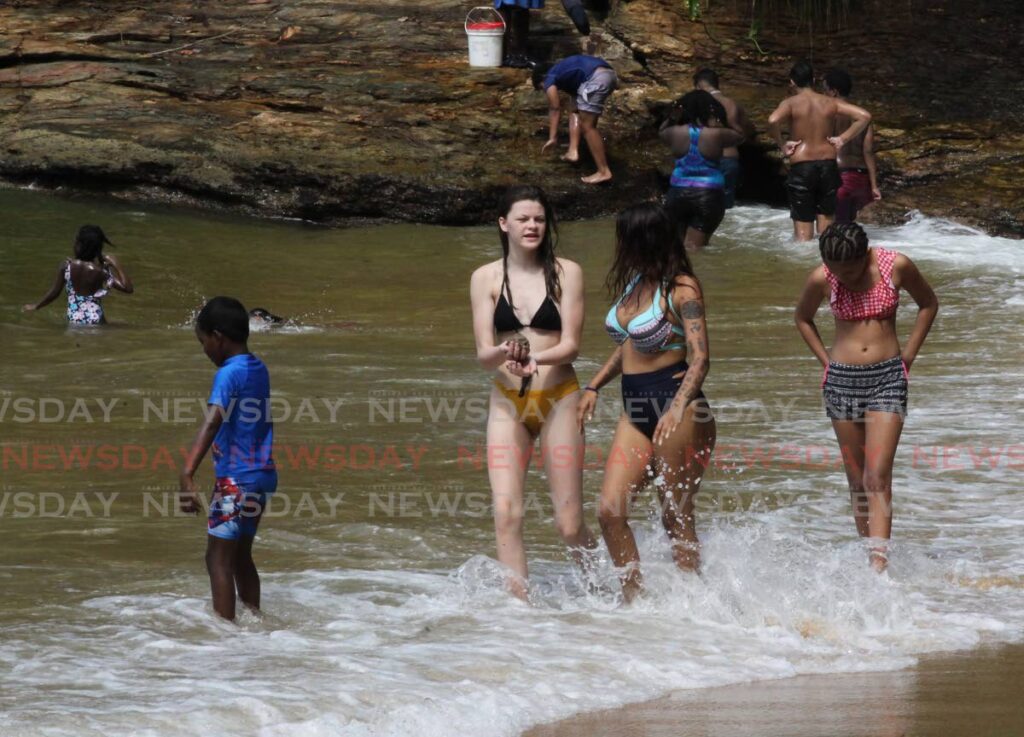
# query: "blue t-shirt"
244,442
572,71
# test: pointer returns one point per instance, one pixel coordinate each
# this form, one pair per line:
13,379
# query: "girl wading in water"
866,371
657,318
527,319
87,278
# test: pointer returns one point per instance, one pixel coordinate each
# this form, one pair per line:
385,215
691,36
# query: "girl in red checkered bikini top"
866,370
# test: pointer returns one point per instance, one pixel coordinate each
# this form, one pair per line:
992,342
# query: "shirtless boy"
857,168
813,179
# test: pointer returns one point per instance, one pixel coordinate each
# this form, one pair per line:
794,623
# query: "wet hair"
843,242
224,315
89,243
648,244
259,313
839,80
706,75
546,251
802,74
697,108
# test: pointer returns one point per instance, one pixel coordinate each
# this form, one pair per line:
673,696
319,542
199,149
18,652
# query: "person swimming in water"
866,372
87,278
695,132
264,317
813,179
527,320
666,431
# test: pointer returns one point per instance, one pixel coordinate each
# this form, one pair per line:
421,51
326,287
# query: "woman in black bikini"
535,389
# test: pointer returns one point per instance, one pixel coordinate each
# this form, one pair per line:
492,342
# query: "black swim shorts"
700,208
812,188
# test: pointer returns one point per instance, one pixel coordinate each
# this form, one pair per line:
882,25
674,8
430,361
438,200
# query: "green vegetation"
821,14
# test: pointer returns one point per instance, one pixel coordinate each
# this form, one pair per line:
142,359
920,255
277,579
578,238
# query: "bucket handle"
469,15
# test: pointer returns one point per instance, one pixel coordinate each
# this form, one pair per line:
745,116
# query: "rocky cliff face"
333,111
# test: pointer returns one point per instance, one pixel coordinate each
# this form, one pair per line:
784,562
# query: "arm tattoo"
691,310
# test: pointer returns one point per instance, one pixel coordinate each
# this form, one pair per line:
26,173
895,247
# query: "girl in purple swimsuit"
87,278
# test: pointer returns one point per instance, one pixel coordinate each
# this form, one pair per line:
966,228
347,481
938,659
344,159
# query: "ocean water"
384,610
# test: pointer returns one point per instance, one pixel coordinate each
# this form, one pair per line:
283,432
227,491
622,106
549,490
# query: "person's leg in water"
822,221
235,515
681,462
625,475
573,154
509,448
851,436
882,437
801,187
562,448
221,556
588,124
247,577
709,210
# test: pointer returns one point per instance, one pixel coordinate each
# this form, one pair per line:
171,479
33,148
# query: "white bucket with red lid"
485,29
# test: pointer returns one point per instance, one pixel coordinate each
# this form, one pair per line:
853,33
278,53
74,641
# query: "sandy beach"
974,694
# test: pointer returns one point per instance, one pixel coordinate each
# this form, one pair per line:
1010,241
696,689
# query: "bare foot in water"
597,177
879,559
571,156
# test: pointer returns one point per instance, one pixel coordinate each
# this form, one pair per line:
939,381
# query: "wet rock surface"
334,111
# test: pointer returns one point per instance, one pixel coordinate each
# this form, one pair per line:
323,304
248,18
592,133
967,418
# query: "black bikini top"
545,318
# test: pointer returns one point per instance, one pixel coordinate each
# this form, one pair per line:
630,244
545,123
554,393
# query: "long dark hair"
648,244
697,108
546,251
89,243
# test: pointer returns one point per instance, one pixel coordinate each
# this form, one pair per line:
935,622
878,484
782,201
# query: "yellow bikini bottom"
533,407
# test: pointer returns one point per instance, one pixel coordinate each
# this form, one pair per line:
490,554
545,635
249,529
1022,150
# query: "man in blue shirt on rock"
588,80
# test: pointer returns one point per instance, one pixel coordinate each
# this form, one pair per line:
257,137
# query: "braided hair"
843,242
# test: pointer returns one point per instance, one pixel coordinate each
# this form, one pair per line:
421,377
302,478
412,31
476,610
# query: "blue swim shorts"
237,505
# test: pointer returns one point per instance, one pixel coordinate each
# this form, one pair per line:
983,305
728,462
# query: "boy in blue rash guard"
588,80
240,431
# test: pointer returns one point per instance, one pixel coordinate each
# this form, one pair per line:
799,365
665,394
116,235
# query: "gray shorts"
591,95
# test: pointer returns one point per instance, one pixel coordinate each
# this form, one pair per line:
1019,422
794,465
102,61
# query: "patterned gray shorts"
850,390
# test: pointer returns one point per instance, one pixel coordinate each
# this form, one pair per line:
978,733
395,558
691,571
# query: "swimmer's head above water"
265,316
89,243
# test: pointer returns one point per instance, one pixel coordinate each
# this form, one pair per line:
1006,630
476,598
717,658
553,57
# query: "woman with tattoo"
666,431
866,371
